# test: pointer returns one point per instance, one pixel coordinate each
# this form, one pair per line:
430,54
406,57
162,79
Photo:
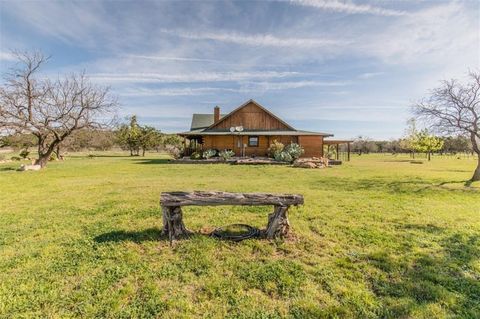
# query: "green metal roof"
202,121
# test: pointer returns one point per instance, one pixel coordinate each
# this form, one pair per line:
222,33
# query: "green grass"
378,237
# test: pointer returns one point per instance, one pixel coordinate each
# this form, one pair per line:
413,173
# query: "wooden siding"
235,143
313,145
251,117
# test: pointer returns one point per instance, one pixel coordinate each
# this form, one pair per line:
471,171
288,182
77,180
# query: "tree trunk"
57,153
428,154
278,225
143,152
44,152
44,158
476,149
476,174
173,225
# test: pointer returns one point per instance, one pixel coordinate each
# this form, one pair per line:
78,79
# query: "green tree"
129,135
135,137
150,138
172,140
408,141
426,143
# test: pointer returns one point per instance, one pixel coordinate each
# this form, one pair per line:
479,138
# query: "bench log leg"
173,225
278,225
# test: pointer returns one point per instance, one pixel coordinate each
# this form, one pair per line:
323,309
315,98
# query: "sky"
348,68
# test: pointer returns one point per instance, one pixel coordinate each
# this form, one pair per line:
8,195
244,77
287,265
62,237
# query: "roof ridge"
257,104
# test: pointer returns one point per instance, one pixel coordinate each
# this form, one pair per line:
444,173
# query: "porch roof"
335,142
200,132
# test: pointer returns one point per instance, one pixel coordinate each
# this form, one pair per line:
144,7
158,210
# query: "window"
253,141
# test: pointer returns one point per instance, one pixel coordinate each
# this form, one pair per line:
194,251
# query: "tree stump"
173,225
278,225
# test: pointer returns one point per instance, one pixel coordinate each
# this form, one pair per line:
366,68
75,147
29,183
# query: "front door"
238,145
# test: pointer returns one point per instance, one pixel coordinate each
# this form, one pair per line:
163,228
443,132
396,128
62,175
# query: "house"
248,130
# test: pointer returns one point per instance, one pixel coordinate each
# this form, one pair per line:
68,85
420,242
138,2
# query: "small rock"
305,164
24,167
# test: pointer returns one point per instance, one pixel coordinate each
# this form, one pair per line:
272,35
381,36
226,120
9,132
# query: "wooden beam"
201,198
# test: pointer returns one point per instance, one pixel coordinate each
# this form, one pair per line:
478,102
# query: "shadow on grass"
3,169
150,234
95,155
152,161
154,234
442,185
447,277
405,186
397,160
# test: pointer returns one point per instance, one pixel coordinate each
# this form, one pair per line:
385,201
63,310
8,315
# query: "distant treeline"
131,137
447,145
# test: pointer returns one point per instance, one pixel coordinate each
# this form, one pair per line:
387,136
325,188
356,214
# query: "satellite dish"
232,129
239,128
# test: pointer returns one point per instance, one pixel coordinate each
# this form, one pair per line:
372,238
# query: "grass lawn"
378,237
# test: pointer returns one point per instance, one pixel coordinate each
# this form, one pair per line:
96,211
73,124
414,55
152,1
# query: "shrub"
275,147
196,155
283,153
226,154
53,157
174,151
24,154
209,153
294,150
283,156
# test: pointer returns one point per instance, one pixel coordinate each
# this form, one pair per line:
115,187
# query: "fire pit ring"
235,232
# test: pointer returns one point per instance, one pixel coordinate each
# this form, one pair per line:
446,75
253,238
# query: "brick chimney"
216,114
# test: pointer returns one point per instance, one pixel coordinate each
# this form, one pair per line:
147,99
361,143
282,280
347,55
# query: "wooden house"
248,131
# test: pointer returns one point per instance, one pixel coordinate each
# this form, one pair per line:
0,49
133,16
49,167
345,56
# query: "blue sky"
345,67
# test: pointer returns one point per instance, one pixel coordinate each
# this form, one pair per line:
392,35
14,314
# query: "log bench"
172,202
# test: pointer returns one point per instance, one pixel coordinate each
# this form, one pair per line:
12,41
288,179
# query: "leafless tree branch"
454,108
51,110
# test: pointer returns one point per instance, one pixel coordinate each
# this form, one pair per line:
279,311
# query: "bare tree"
454,108
50,110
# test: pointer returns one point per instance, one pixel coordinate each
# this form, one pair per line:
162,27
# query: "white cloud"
169,58
369,75
72,22
6,56
191,77
245,87
266,40
173,91
348,7
275,86
438,34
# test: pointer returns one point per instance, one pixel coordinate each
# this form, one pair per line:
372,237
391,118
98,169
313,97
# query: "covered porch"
192,144
338,150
